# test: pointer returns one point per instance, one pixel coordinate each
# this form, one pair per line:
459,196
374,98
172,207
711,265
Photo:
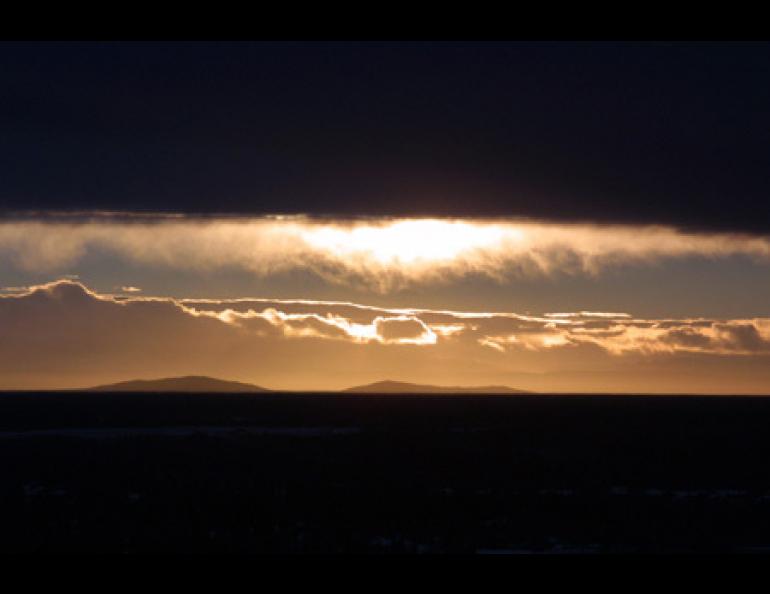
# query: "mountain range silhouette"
190,383
393,387
193,383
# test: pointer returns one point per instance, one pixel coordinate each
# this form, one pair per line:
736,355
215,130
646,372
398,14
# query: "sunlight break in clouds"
380,254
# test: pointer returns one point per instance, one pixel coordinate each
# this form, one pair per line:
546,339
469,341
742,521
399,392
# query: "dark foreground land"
286,473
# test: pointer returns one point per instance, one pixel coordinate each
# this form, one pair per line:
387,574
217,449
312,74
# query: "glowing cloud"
63,334
381,254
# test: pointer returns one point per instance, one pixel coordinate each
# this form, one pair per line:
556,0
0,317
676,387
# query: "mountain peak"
189,383
396,387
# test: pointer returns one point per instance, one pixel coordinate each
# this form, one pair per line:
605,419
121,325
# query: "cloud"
617,333
381,254
688,338
389,329
62,334
404,330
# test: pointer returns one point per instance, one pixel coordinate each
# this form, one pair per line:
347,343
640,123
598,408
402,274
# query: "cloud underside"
62,335
381,254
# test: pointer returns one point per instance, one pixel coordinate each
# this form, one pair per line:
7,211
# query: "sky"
569,217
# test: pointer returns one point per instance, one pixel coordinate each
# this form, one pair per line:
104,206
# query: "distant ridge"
391,387
190,383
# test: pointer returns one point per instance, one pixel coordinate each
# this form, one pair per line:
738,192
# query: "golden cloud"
64,334
380,254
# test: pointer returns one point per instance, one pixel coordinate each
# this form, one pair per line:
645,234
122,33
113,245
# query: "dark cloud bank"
635,132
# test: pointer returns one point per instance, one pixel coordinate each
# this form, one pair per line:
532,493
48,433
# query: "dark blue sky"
626,132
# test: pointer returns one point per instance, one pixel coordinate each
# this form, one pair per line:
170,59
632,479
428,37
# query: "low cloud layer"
379,254
64,335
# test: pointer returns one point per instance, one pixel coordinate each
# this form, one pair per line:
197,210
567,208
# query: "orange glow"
380,255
